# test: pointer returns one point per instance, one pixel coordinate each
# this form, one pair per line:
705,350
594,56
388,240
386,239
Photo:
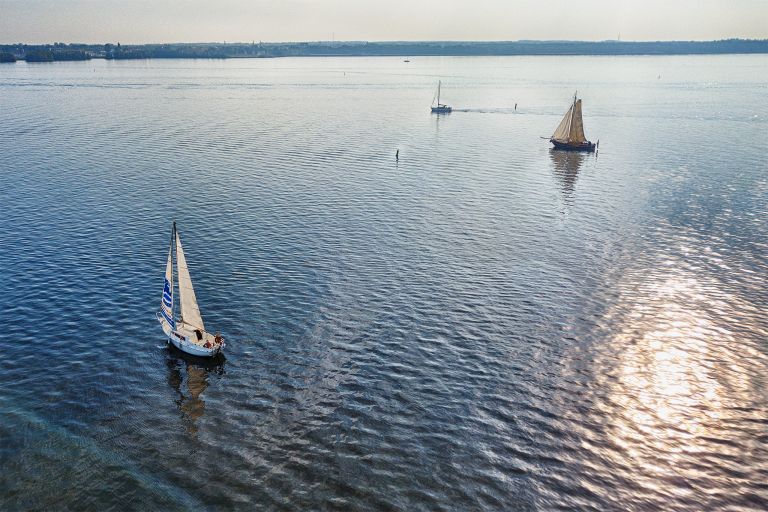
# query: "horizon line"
387,41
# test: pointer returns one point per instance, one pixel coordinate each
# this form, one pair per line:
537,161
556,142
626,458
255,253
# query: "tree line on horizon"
77,51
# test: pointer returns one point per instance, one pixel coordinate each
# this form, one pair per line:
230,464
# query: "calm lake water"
485,324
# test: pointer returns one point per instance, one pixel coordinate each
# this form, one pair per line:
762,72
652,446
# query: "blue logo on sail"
167,297
168,304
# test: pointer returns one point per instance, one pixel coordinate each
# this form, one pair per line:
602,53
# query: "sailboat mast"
573,111
173,244
438,93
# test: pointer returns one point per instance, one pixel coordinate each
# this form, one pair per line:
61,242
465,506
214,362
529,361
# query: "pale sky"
146,21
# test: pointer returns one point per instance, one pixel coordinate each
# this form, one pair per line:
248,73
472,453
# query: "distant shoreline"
76,51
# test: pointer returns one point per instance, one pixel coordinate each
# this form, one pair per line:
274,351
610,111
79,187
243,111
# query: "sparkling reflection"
681,376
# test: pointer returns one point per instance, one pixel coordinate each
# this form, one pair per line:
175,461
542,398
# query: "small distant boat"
188,334
569,134
440,108
407,60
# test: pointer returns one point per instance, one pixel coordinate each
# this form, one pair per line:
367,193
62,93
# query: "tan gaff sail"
577,125
571,128
563,130
190,313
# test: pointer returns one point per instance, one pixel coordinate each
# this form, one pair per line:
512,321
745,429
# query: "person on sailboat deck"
216,341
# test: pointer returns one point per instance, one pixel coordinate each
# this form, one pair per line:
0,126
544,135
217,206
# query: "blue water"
484,324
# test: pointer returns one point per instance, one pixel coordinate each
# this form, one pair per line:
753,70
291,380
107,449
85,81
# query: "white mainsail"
166,303
436,97
190,313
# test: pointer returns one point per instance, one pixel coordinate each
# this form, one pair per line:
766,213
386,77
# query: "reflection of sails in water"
190,401
566,166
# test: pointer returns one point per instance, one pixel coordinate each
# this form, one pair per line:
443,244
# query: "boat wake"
502,110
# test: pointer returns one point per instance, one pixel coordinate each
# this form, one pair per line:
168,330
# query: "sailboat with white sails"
569,134
188,333
440,108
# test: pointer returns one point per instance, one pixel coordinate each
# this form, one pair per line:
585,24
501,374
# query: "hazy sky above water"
141,21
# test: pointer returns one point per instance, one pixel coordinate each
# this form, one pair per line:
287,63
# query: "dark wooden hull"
571,146
443,109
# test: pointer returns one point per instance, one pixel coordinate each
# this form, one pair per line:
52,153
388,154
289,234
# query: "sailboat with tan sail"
188,333
569,134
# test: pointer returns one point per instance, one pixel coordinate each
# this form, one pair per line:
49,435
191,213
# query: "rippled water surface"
485,324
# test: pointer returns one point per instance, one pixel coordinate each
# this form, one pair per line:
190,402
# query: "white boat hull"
193,349
184,341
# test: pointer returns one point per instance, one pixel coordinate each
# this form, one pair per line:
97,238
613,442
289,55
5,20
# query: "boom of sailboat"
188,333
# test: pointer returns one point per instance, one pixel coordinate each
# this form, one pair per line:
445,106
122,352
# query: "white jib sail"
190,313
166,303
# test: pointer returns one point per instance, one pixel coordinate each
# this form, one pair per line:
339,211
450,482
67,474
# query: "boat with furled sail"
188,334
440,108
569,134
